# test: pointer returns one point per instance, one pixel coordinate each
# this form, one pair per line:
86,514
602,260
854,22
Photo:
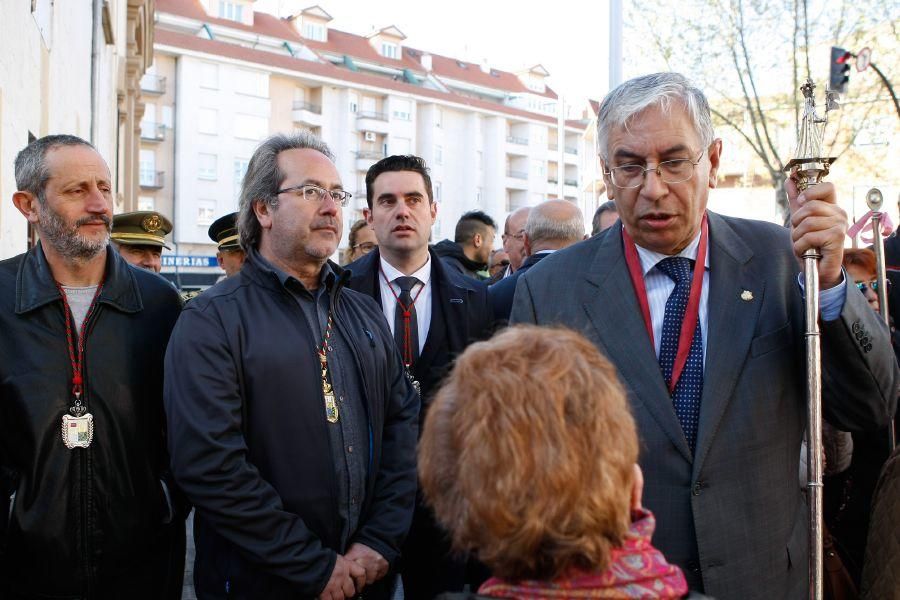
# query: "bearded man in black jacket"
292,422
88,508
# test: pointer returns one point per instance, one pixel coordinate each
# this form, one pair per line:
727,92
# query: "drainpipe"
97,12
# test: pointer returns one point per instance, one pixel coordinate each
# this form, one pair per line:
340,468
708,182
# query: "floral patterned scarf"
636,570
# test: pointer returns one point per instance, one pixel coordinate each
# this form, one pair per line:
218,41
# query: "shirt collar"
649,258
327,275
423,274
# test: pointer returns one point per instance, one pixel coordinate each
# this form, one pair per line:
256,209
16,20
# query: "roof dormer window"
390,50
314,31
233,11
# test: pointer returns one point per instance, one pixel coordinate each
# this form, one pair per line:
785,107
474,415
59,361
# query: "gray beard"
64,239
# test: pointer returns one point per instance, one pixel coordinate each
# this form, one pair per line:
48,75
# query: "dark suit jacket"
460,315
732,512
502,292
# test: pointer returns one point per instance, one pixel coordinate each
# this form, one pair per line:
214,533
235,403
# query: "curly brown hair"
527,454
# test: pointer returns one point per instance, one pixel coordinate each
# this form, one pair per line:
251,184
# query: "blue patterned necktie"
689,388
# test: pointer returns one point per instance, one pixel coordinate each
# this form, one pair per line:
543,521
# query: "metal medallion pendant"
78,431
415,382
331,407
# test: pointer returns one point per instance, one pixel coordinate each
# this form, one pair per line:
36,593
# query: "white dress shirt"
659,287
423,301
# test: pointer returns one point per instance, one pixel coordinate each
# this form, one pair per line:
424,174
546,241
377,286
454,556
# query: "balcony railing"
571,150
153,84
152,179
552,179
517,174
154,132
553,146
371,115
314,108
370,154
571,182
517,140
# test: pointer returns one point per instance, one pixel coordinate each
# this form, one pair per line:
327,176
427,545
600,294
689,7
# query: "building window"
251,83
205,211
437,190
354,103
390,50
231,11
538,167
314,31
478,195
208,121
439,118
209,76
240,169
207,165
146,203
402,109
147,167
479,159
250,127
438,155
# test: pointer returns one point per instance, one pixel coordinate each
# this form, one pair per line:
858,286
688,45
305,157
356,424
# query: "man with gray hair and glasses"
551,226
703,317
292,422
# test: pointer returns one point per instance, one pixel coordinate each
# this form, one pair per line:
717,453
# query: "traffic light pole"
887,84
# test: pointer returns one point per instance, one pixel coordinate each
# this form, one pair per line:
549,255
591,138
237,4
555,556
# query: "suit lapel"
614,312
731,321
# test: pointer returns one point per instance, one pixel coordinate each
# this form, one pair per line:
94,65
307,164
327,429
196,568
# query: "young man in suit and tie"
721,417
433,312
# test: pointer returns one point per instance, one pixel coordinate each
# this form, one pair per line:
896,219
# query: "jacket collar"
36,287
258,269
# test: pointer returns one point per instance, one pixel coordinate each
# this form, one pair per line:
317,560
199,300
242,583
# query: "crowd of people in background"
612,414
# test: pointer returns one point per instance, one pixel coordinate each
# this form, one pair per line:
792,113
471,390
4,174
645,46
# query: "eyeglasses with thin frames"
864,286
678,170
315,193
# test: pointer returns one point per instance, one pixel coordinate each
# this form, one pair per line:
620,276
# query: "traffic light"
839,73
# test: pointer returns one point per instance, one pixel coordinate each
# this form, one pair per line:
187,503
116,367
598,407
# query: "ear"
434,210
610,188
477,240
263,211
637,488
715,154
27,203
367,215
219,259
526,241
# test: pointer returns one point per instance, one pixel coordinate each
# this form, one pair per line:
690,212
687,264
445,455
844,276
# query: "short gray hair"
263,179
31,169
544,222
636,95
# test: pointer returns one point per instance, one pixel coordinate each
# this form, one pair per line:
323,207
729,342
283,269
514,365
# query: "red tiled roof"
451,68
357,46
271,59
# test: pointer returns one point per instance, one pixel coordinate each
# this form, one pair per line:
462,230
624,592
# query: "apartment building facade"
71,67
225,77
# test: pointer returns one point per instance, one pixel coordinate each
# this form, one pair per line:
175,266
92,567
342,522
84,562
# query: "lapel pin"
746,295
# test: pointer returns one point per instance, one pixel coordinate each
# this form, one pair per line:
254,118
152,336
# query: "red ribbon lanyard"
691,314
77,359
407,333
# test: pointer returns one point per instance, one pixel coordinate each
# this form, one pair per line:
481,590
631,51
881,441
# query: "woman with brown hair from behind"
541,483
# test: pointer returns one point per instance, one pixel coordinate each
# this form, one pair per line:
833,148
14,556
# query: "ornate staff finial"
810,165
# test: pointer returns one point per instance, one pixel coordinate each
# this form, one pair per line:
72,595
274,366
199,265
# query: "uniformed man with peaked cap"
223,232
140,237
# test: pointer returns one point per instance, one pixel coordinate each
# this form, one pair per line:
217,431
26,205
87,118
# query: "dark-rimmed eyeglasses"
314,193
864,286
678,170
517,236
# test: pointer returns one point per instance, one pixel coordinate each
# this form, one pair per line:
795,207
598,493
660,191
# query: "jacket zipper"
87,468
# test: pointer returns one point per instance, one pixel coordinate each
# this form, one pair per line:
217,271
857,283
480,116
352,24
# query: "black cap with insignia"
223,232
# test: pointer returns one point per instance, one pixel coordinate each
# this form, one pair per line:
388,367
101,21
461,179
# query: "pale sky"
568,37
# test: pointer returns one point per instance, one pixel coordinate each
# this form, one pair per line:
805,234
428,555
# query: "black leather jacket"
250,444
83,523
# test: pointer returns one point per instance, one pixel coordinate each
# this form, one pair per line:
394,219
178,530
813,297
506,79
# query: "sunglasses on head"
873,285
